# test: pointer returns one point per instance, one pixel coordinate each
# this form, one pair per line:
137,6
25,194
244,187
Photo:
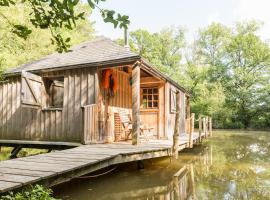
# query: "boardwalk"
57,167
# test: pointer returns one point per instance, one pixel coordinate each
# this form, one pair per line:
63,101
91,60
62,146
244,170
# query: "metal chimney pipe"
126,38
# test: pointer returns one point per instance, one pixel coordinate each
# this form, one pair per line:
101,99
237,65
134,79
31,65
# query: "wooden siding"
170,116
109,105
90,124
26,122
122,97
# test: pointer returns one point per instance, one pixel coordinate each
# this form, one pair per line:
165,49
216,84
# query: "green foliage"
57,14
35,193
16,50
227,69
161,49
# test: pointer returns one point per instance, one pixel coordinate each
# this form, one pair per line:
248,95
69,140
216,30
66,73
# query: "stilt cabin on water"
99,92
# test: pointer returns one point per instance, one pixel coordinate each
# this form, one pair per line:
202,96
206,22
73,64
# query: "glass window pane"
144,104
155,90
144,91
155,104
150,91
155,97
149,104
149,97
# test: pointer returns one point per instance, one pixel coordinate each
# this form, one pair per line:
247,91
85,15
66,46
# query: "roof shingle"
98,50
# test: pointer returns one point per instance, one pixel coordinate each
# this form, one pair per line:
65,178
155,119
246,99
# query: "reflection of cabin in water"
92,94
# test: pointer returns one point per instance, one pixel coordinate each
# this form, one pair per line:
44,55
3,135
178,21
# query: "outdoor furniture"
126,122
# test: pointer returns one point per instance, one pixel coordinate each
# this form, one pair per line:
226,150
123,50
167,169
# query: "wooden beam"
191,130
200,128
150,80
207,126
176,126
210,126
135,103
204,127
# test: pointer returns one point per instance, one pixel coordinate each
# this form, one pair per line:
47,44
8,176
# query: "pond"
230,165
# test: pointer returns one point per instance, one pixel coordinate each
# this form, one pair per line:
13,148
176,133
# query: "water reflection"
229,166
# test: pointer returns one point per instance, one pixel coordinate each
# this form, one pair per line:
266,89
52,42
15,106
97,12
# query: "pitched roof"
98,50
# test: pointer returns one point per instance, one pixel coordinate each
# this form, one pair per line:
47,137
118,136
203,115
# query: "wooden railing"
205,127
90,124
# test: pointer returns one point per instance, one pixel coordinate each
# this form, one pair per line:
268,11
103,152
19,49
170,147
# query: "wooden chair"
125,119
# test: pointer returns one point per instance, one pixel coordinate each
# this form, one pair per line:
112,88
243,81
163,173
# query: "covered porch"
134,102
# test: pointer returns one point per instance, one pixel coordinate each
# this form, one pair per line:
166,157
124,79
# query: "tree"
15,50
57,14
238,59
162,49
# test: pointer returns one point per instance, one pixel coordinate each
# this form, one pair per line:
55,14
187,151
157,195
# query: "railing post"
200,128
176,127
204,128
210,126
191,130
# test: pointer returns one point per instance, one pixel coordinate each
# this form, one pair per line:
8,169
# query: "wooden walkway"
57,167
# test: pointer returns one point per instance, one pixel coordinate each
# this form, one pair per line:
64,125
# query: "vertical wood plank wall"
170,117
121,100
20,122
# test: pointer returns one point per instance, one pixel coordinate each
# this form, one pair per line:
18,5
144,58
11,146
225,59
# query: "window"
149,98
55,92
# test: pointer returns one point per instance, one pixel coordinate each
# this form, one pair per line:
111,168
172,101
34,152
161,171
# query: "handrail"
89,105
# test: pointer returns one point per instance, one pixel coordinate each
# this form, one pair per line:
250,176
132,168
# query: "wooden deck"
57,167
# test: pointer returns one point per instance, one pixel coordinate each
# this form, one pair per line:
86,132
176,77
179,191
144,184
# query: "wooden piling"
200,128
210,126
176,127
192,118
204,127
207,126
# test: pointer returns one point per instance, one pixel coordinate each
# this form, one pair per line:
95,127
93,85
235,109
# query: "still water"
230,165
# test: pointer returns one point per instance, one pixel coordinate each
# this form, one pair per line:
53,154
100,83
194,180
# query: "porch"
134,103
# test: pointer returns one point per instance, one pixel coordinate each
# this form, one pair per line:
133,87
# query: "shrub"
36,193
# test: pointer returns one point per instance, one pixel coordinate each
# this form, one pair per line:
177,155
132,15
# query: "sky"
154,15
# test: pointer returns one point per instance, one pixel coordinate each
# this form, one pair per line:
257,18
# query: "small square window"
55,92
150,98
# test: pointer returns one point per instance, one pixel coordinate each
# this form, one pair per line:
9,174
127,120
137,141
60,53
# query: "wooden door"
31,89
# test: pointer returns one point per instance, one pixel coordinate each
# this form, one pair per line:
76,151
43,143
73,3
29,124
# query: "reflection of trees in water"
179,187
240,169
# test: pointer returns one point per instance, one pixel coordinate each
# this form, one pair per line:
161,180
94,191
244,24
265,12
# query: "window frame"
152,97
49,84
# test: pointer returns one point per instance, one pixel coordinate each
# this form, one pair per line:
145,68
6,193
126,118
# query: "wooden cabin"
87,96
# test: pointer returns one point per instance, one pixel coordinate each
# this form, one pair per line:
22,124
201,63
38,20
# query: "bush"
36,193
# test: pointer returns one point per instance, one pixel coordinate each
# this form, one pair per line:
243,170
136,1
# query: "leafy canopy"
57,14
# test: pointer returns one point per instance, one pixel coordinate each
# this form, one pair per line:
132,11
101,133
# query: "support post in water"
176,127
204,128
192,118
200,128
210,126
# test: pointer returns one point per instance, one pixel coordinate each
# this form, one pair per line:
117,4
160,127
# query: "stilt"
200,128
176,127
140,164
191,130
15,151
